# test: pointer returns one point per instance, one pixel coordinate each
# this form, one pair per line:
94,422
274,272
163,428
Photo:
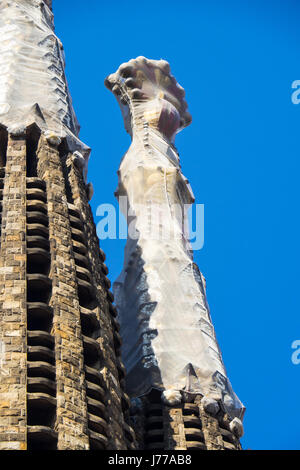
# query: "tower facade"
182,398
61,376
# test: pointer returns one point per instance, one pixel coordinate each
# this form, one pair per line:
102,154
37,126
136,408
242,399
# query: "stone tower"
182,398
61,377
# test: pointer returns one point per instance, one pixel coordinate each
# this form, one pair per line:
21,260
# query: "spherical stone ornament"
236,426
52,138
78,160
171,397
210,405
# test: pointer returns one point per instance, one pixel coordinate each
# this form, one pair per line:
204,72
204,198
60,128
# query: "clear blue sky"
236,60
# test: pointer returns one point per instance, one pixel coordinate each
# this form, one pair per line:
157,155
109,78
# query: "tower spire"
169,342
32,60
61,376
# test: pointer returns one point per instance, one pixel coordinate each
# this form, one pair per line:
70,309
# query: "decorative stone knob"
149,94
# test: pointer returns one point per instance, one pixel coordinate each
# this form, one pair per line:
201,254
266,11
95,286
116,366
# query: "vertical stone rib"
211,430
13,299
115,395
174,429
71,421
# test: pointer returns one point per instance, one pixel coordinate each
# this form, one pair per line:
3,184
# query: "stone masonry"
62,379
13,289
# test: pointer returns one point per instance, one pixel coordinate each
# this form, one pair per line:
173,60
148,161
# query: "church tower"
61,376
181,395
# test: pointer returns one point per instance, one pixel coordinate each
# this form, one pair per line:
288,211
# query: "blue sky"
237,61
